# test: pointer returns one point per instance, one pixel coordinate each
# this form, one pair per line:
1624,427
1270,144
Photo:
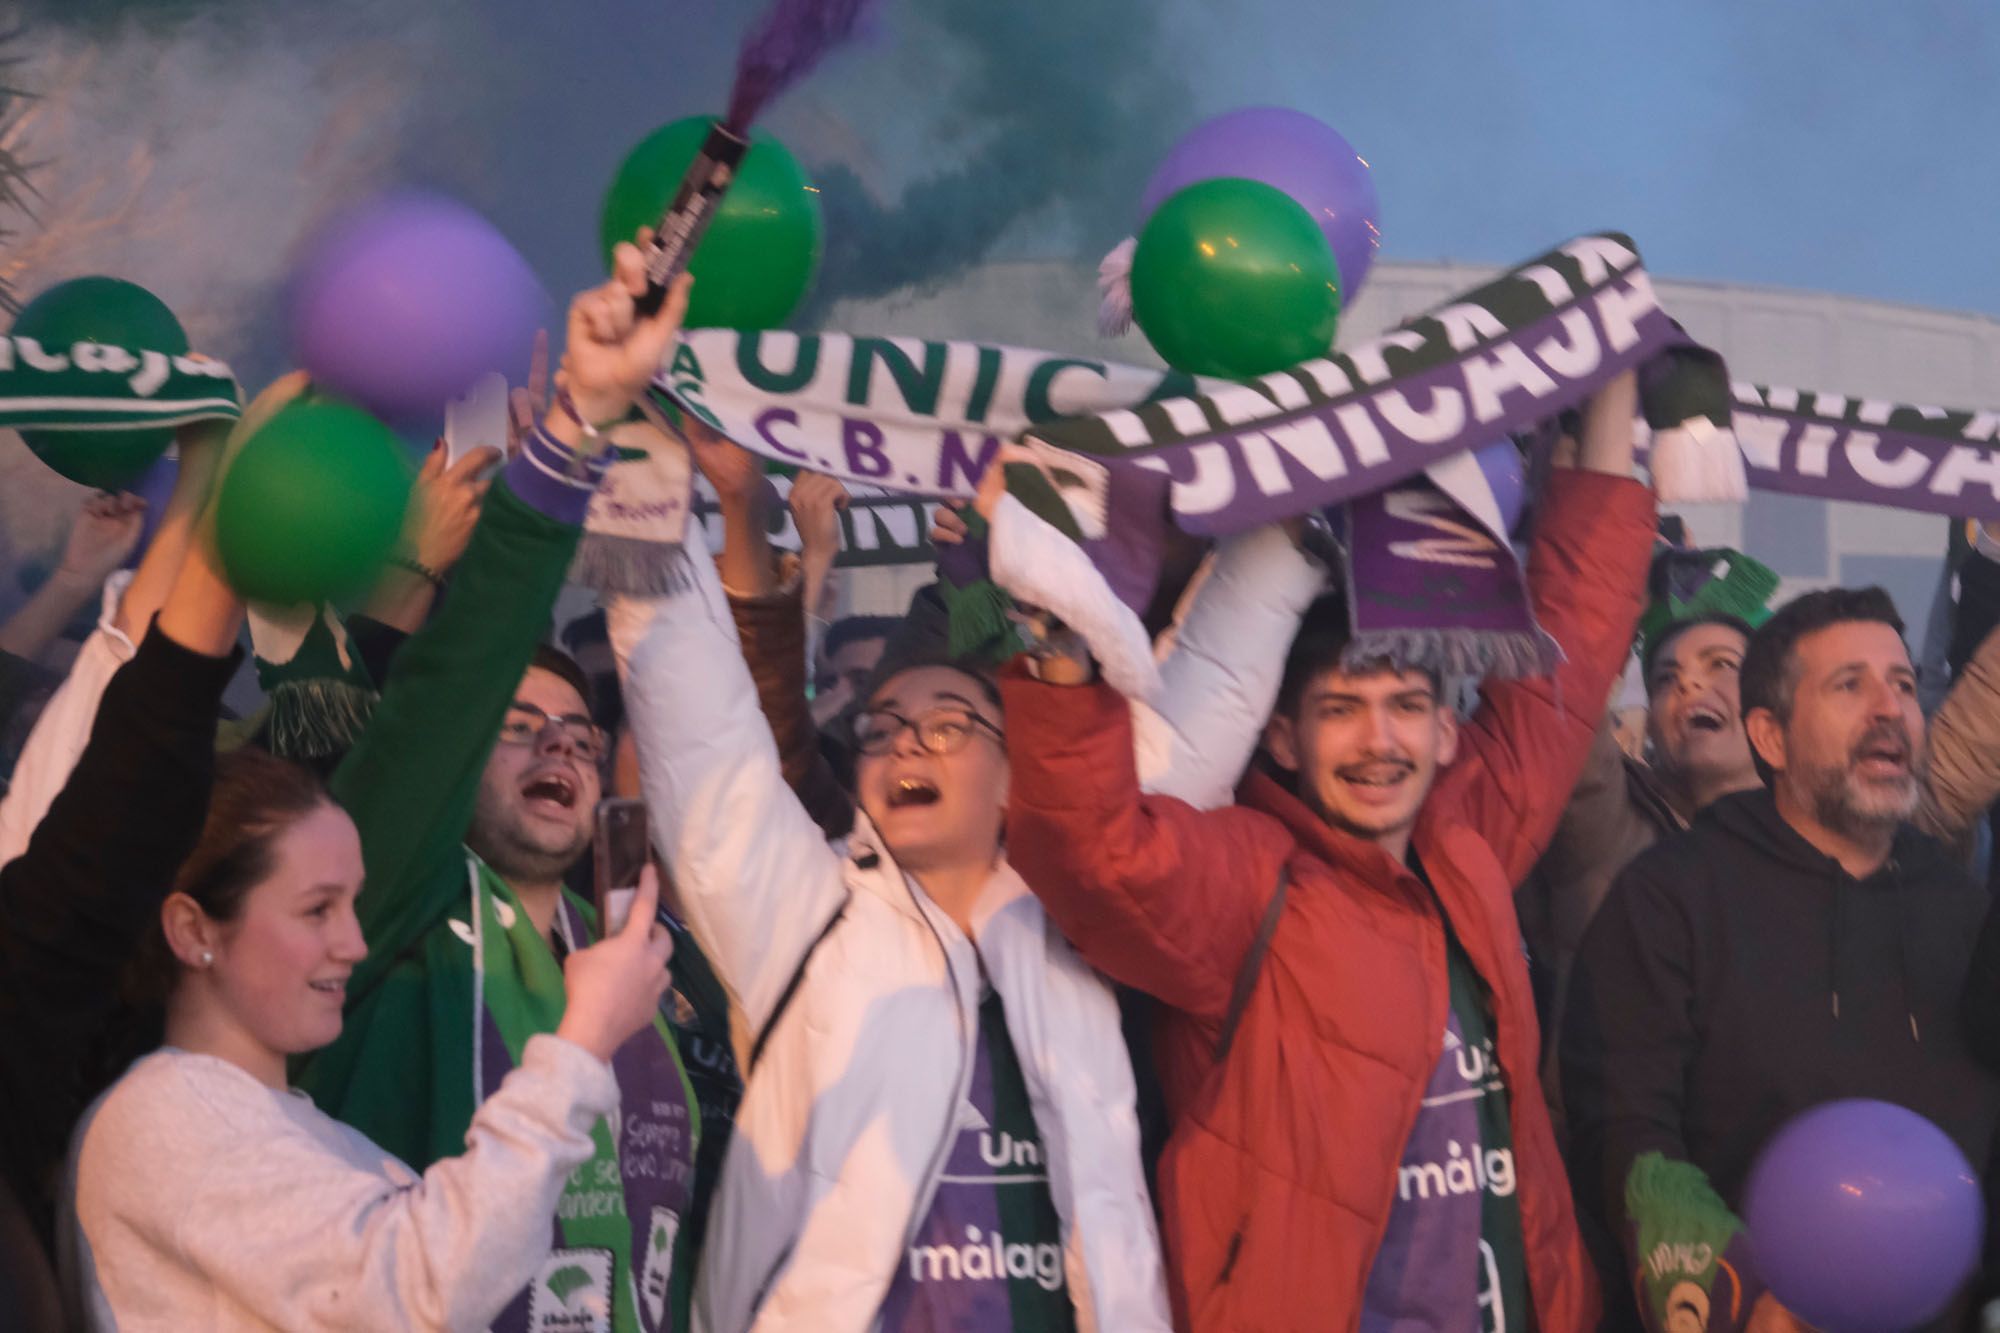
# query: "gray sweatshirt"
206,1200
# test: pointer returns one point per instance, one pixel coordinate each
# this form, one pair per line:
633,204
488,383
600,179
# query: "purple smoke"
783,47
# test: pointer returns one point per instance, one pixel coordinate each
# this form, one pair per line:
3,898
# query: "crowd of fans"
964,994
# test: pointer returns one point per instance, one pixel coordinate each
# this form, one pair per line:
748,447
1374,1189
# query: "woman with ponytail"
209,1195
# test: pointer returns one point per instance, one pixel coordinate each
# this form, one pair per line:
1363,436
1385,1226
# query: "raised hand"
1607,443
612,351
103,535
613,988
445,507
993,481
816,501
1061,655
746,561
105,531
183,539
948,527
735,472
274,397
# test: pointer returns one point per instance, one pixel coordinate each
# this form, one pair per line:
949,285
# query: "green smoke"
1068,107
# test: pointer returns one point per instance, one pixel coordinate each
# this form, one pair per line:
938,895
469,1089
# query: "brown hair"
547,657
1322,643
256,797
979,673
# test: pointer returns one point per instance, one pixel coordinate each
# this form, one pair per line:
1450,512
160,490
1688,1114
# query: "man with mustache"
1374,1154
1799,943
473,790
1691,660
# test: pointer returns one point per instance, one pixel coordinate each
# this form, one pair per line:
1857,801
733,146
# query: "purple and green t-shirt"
1454,1246
988,1257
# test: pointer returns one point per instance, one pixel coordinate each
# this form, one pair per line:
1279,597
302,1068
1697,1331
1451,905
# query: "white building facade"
1804,340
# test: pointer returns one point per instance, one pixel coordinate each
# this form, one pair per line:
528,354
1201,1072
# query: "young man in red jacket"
1375,1152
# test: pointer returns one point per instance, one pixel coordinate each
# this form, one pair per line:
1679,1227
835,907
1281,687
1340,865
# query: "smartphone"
479,418
620,852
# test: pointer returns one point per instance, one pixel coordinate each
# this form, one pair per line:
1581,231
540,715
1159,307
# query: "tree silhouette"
16,189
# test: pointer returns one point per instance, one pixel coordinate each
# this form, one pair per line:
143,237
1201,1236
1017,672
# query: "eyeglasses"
525,724
940,731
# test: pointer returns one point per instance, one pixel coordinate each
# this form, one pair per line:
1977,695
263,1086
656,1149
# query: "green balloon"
1233,278
757,259
312,506
119,314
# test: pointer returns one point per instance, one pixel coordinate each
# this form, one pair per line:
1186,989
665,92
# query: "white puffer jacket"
851,1107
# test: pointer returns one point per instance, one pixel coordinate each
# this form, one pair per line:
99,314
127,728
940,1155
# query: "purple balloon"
408,300
1304,157
1863,1216
1501,462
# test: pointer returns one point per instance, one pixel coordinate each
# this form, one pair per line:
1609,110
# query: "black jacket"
1980,1007
1737,976
75,904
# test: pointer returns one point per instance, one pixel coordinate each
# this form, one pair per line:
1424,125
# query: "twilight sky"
1802,143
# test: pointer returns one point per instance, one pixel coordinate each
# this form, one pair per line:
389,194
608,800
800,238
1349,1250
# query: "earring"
207,958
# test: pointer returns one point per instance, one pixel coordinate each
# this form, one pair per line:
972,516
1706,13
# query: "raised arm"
772,630
753,871
769,612
100,537
76,902
1522,751
1978,608
444,509
203,446
1220,680
411,780
130,604
1153,893
816,501
56,740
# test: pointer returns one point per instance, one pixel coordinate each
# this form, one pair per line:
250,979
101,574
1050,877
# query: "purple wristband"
550,478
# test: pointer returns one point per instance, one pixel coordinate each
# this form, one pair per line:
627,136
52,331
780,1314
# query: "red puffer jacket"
1277,1183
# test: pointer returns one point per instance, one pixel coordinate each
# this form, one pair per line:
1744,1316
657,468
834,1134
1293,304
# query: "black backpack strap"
1253,963
791,989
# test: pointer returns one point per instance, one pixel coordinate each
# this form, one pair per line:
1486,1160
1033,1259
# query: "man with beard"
1697,751
1799,943
474,789
535,811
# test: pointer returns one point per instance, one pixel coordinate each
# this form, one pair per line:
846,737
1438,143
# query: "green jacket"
401,1069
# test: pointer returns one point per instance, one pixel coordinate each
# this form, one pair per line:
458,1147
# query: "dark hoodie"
1736,976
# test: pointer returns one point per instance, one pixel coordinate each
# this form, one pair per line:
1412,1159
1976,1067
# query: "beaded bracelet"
420,569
